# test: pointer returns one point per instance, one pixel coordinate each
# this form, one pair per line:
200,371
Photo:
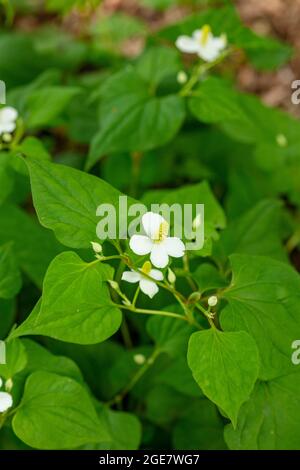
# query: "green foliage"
108,106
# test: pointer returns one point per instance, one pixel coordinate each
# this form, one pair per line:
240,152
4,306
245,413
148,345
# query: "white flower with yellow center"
203,43
6,400
156,241
142,276
8,118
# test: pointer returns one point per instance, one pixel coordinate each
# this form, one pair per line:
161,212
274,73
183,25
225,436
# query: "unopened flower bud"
212,301
281,140
194,298
171,276
114,285
139,359
6,137
197,221
96,247
182,77
9,385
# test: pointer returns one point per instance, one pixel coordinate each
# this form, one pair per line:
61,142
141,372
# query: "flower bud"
171,276
6,137
114,285
194,298
96,247
139,359
212,301
281,140
9,385
182,77
197,221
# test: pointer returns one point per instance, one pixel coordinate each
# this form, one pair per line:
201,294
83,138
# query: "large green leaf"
170,335
10,278
46,104
264,300
270,419
200,428
66,201
225,366
75,305
256,232
40,359
33,246
124,429
132,118
57,413
16,359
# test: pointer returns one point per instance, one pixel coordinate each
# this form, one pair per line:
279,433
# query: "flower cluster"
159,246
203,43
6,400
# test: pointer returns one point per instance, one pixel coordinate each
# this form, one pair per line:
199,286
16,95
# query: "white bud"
113,284
139,359
281,140
171,276
96,247
182,77
212,301
6,137
1,382
9,385
197,221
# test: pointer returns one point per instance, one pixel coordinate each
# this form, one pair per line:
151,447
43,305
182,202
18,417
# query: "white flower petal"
6,401
151,223
131,276
8,114
140,244
7,127
174,247
159,256
156,274
212,49
148,287
187,44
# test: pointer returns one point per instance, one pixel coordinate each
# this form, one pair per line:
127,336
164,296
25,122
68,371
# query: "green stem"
199,71
135,296
139,374
151,312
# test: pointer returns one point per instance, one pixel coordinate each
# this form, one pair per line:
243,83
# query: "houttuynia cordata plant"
149,231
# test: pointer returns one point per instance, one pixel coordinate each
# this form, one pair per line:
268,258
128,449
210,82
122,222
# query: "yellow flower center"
205,32
162,232
146,268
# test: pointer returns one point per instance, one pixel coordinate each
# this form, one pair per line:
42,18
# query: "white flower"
147,286
6,401
8,118
203,43
212,301
156,241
